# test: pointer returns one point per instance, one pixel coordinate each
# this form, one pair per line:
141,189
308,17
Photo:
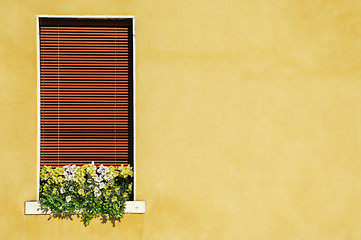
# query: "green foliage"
87,190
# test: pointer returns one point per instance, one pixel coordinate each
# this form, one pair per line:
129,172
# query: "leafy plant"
87,190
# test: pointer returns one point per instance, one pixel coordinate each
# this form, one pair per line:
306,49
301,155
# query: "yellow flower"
81,173
44,176
60,179
125,195
45,172
107,194
58,171
130,170
47,169
114,171
126,171
87,169
114,199
115,174
55,191
91,171
55,178
80,180
81,192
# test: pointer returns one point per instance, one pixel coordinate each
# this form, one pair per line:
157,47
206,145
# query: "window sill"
33,208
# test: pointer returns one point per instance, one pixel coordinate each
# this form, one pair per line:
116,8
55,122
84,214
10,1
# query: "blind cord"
58,100
115,97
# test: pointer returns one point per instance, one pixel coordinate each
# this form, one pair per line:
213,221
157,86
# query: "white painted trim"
33,208
38,110
38,87
134,117
85,16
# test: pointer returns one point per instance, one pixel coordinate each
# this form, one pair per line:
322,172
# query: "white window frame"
33,207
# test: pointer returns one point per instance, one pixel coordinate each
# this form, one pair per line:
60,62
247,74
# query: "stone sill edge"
33,208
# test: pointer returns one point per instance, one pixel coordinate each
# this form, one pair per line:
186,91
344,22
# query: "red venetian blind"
86,91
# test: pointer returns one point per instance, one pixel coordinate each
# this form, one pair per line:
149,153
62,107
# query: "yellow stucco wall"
248,119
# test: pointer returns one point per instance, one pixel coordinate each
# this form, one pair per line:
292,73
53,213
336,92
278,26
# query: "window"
86,91
86,101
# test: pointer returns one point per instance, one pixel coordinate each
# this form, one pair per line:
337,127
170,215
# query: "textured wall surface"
248,120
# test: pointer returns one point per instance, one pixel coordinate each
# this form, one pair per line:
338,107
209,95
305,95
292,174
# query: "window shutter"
86,91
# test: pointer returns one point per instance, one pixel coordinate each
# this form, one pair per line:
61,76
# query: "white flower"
97,192
70,170
71,189
97,178
69,177
62,190
93,165
99,170
68,198
103,169
66,168
108,177
101,185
